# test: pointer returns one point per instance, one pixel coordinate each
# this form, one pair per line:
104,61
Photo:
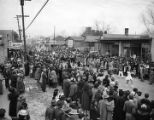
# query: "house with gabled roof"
77,42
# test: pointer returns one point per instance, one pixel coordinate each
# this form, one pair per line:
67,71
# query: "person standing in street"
7,75
103,107
50,111
130,108
66,86
13,97
59,114
120,69
151,75
44,80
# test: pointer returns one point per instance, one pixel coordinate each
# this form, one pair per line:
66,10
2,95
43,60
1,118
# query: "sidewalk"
4,102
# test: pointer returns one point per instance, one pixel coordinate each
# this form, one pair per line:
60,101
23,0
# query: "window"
1,40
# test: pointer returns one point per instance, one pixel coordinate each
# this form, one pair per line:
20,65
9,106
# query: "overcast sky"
71,16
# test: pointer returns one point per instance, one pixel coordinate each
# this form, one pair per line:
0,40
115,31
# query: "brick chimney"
126,31
105,32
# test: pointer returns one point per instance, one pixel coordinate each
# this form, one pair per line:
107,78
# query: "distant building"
7,39
59,40
76,42
152,49
92,42
125,45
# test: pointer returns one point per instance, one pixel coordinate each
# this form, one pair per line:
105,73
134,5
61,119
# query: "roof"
59,38
92,38
75,38
5,31
125,37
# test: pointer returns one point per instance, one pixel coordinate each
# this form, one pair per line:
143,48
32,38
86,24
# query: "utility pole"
54,36
19,29
23,26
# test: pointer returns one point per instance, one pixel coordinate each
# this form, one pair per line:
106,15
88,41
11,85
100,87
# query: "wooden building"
125,45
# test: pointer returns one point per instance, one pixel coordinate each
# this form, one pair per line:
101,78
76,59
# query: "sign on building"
13,45
70,43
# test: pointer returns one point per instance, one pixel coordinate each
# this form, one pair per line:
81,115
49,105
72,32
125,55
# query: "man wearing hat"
130,107
2,114
59,114
50,111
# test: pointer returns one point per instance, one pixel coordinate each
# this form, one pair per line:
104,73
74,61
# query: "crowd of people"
13,73
90,89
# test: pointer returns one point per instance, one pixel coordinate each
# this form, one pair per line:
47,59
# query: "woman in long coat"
27,68
54,78
20,84
110,108
66,87
13,97
38,73
44,80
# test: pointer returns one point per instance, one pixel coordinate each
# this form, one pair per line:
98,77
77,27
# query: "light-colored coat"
110,107
103,110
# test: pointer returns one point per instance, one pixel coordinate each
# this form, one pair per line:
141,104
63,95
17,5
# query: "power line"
37,14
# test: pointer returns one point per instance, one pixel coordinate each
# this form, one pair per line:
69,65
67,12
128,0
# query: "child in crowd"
129,77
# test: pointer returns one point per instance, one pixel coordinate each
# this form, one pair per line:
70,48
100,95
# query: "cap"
23,112
59,103
2,111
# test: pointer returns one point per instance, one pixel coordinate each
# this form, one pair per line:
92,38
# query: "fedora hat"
105,96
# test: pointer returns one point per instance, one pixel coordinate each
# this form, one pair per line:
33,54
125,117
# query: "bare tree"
102,26
148,19
98,29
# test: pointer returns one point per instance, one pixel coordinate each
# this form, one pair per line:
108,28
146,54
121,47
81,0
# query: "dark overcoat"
13,97
66,87
86,97
44,80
